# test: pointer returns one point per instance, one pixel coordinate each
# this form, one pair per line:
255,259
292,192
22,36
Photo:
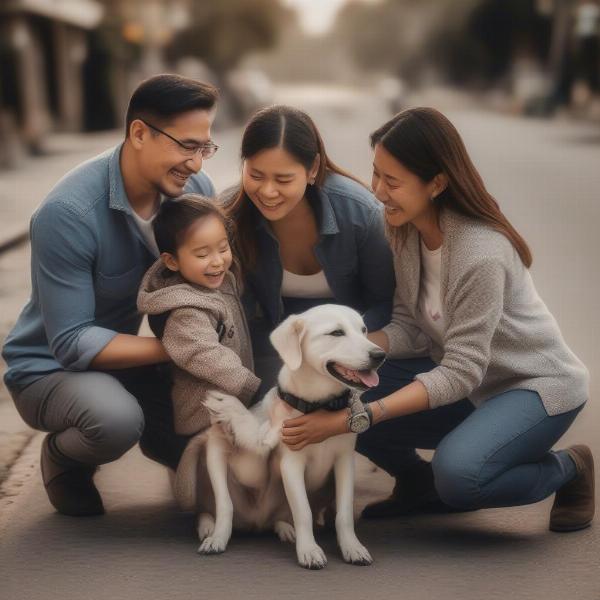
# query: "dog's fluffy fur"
238,475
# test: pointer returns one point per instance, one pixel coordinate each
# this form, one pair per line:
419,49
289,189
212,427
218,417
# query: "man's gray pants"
99,416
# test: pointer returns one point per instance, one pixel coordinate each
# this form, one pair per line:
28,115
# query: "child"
192,299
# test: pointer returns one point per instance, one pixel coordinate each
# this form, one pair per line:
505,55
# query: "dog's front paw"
213,545
311,557
222,407
356,554
285,531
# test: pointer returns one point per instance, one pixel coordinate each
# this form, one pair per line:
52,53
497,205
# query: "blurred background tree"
458,41
396,36
222,33
495,34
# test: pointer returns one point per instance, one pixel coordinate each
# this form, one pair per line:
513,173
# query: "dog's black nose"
377,355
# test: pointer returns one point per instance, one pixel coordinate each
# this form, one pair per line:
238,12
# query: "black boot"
414,492
69,484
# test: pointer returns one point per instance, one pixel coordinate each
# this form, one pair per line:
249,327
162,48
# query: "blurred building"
70,65
138,34
42,49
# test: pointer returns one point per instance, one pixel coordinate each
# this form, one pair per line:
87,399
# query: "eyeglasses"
207,149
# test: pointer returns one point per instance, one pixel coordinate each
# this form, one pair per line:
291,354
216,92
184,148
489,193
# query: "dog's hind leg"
206,526
285,531
216,463
352,550
185,482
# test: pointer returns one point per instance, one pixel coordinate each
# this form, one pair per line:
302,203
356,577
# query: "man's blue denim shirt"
87,261
352,250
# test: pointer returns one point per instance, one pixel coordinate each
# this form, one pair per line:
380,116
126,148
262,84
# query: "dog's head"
330,340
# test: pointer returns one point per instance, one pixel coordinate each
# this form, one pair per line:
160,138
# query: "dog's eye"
364,330
337,332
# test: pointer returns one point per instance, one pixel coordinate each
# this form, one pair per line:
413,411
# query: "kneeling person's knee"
117,427
455,480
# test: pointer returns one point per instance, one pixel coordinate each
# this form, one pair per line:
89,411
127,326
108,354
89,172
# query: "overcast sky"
317,16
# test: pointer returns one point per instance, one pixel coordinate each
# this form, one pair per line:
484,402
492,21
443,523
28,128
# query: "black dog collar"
335,403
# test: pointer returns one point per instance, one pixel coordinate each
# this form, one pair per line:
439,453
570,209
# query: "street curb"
14,241
12,445
20,473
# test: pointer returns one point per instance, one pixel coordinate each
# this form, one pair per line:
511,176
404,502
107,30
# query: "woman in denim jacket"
307,232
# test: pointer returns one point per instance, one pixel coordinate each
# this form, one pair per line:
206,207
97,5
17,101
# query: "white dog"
256,482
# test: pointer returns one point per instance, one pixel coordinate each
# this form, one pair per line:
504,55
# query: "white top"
305,286
430,303
145,227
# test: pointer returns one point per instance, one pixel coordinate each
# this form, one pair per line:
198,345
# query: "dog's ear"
287,339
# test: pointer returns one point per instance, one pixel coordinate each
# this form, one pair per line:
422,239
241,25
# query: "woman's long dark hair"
274,127
427,144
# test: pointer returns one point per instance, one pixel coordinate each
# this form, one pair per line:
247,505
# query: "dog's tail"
185,484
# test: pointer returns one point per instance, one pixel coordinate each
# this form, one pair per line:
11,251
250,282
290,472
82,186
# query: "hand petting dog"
313,428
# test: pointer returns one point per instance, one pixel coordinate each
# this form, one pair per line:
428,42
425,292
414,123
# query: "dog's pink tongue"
369,378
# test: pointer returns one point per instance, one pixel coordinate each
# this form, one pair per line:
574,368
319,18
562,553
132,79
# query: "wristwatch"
360,417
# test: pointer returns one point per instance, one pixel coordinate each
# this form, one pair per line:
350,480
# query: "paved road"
546,178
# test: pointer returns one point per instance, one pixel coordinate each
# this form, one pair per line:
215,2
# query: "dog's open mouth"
353,378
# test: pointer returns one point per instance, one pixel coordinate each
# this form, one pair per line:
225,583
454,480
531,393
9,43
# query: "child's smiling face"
204,255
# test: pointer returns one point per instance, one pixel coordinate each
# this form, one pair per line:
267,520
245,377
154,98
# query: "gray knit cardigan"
499,334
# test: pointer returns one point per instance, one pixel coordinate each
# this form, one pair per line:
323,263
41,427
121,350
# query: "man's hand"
313,428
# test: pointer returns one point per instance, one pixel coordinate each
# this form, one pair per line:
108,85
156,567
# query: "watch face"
359,423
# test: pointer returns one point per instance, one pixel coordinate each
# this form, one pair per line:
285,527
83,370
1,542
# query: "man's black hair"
162,97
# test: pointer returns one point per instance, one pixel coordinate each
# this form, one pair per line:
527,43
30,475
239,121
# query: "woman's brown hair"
273,127
427,144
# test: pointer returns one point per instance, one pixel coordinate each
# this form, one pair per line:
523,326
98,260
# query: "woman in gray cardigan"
486,378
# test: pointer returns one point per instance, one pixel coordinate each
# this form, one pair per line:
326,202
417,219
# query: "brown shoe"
413,493
574,503
69,484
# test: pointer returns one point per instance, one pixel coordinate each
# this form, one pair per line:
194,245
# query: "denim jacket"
87,261
352,250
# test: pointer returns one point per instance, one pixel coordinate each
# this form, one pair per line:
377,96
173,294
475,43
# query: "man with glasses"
76,366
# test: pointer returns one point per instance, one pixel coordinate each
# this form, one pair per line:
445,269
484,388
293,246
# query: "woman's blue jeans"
496,455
